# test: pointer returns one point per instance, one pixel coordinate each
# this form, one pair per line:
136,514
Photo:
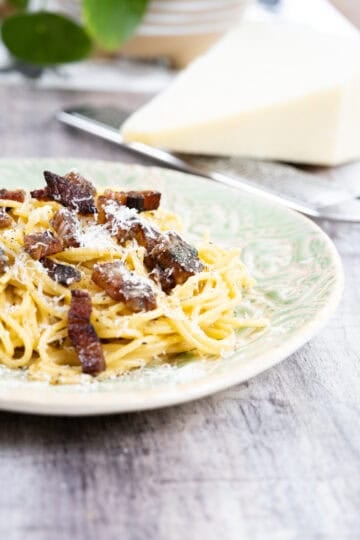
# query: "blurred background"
134,49
56,54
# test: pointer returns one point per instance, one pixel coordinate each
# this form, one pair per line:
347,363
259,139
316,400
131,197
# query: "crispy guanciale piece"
125,224
17,195
119,196
42,244
40,194
4,262
124,286
5,219
82,334
67,227
177,259
143,200
71,190
101,203
12,195
103,200
161,277
139,200
61,273
144,234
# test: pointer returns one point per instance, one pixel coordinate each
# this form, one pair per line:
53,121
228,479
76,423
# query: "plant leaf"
111,22
19,4
45,38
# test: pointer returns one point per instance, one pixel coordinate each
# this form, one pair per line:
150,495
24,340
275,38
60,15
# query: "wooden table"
276,458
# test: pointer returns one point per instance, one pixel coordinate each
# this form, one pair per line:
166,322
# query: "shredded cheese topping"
196,317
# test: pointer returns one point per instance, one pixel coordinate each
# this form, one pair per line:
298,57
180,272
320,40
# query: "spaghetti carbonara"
103,282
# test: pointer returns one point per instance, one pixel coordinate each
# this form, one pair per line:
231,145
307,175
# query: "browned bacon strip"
17,195
42,244
119,196
125,286
176,259
40,194
103,200
61,273
12,195
143,200
71,190
145,235
5,219
125,224
111,213
139,200
82,334
67,227
164,278
101,203
4,261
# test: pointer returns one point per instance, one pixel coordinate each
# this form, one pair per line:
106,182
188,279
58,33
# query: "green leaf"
111,22
45,38
19,4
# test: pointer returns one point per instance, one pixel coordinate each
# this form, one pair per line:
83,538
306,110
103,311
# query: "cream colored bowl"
183,29
177,29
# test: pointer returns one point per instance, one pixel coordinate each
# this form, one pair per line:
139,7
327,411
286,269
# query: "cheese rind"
270,91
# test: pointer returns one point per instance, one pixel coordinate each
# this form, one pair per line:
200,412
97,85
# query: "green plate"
299,284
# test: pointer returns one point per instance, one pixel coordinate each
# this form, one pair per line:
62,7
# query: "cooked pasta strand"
197,316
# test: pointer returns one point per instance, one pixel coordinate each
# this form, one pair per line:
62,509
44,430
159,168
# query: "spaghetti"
196,315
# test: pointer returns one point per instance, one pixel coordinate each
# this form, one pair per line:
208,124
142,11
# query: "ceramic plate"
299,284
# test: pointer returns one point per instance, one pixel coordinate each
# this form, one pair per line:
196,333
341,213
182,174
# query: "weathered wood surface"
276,458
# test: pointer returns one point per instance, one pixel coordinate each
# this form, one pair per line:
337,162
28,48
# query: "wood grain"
276,458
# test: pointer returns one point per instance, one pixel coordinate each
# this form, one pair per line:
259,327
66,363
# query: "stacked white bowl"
182,29
180,17
178,29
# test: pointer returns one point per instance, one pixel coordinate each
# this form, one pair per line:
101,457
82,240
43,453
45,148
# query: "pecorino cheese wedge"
271,91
